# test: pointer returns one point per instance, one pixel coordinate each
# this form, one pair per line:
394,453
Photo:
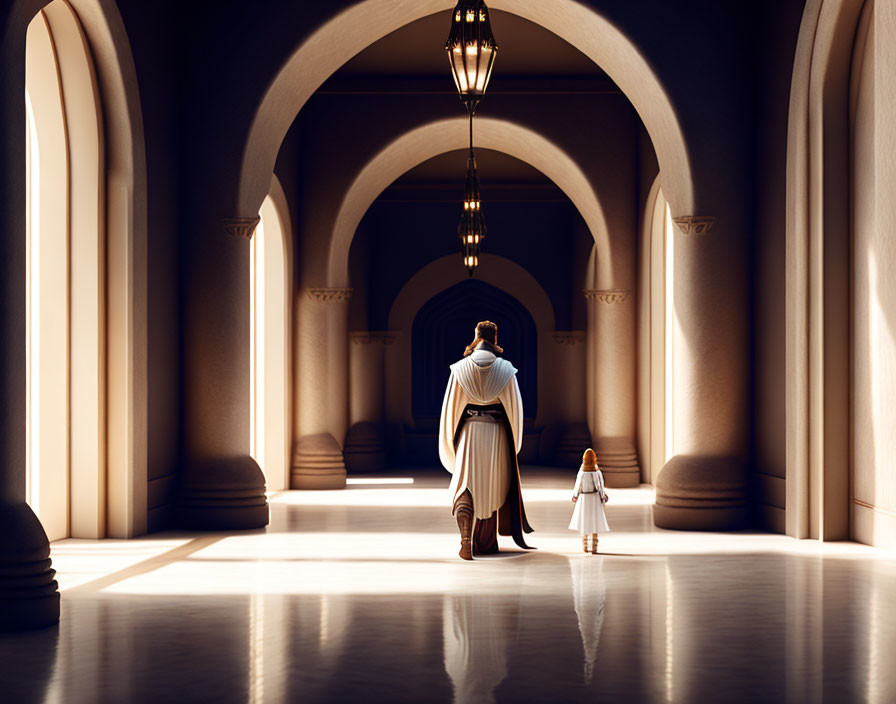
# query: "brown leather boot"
485,535
463,512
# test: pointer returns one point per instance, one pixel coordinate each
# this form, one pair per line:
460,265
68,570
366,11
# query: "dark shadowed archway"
444,326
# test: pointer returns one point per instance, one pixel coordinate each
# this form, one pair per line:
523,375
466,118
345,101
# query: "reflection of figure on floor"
589,593
476,630
480,434
589,517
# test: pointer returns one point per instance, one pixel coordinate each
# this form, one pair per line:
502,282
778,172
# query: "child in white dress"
589,516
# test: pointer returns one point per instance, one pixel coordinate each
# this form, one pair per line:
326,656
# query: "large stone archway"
711,290
324,321
381,376
357,27
422,143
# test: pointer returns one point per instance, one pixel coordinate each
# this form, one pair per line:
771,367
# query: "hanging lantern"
471,228
471,51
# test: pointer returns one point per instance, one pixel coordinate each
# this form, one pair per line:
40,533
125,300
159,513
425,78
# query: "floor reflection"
477,631
344,602
589,591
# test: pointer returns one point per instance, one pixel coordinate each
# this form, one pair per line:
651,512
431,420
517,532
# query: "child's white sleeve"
600,485
577,489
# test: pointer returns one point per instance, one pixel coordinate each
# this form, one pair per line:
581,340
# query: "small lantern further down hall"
471,50
471,228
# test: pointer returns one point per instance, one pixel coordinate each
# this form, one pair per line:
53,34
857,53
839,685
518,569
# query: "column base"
317,463
618,462
224,494
29,596
365,448
701,493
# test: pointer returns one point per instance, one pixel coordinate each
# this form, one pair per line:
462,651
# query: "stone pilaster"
365,447
704,485
611,379
322,371
567,372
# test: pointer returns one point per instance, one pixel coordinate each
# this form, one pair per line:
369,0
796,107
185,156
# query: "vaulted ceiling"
525,50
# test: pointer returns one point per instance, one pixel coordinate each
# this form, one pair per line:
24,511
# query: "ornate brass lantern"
471,51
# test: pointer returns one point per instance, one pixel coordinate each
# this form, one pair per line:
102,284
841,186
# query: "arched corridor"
233,291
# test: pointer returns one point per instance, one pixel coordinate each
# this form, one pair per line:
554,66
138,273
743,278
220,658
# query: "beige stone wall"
873,505
778,39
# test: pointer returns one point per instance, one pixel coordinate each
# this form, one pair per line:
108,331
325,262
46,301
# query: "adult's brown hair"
487,336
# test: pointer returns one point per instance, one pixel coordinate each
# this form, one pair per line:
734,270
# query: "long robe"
589,515
481,453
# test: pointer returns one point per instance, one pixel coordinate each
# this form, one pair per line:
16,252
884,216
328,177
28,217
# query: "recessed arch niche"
443,274
78,67
817,288
444,326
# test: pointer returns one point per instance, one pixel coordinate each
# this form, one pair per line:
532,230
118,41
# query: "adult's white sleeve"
513,406
452,406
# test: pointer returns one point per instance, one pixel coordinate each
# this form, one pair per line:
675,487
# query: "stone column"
28,592
365,448
321,388
223,487
611,379
704,485
569,365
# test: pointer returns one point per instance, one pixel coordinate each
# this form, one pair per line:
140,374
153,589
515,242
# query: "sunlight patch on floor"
78,562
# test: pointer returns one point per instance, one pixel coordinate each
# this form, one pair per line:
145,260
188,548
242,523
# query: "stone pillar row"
611,382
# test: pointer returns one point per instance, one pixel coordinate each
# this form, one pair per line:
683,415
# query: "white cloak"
589,515
480,462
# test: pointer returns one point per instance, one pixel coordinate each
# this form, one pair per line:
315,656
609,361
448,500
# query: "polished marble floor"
358,595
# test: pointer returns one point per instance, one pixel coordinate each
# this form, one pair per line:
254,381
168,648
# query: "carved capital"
331,295
569,337
694,224
609,296
241,227
367,337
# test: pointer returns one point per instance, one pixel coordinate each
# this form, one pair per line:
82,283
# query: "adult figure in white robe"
480,435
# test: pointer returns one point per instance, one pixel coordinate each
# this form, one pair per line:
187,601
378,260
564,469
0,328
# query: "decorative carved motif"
569,337
609,296
331,295
241,227
693,224
366,337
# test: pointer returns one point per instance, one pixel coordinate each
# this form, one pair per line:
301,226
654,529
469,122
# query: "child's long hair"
486,332
589,460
